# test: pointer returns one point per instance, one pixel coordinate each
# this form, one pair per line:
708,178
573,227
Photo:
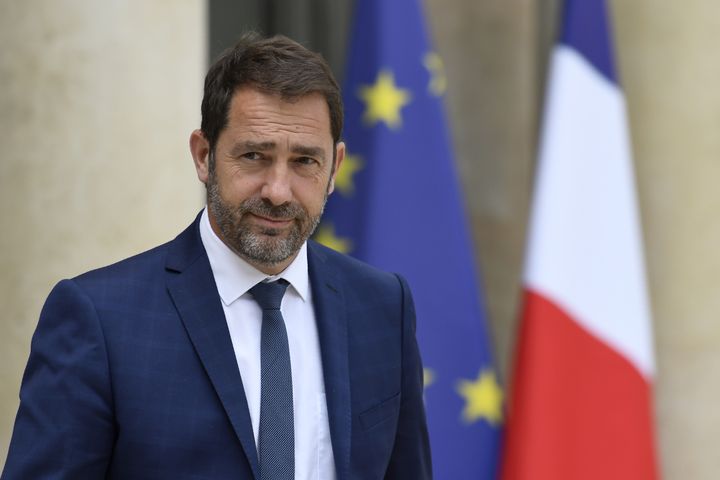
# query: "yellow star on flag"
383,100
326,235
438,80
483,398
428,377
344,178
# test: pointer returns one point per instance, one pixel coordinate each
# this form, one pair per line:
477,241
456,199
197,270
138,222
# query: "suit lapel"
192,288
331,317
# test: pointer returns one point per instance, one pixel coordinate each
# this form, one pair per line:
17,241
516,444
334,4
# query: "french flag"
581,392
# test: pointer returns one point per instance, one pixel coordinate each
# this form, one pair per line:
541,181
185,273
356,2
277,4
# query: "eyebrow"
309,151
242,147
305,150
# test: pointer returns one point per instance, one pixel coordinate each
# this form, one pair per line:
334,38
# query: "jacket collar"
192,287
332,323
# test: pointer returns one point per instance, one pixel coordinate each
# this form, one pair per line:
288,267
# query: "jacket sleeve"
411,453
64,427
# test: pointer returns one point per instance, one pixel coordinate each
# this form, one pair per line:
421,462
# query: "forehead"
255,113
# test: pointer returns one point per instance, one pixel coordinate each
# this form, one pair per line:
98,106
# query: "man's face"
271,176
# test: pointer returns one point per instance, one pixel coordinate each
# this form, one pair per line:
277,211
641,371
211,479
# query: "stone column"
671,74
97,102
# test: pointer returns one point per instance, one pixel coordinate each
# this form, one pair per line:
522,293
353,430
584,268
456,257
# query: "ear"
339,157
200,151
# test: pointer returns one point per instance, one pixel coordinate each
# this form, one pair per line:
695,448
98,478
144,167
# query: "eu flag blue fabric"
397,205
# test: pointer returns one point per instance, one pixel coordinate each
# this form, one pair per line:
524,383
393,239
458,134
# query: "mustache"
263,207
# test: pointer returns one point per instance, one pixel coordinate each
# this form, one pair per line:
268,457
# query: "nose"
276,185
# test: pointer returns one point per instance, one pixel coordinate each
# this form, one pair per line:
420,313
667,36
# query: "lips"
271,221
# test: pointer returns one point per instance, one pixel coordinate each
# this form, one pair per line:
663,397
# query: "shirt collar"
234,276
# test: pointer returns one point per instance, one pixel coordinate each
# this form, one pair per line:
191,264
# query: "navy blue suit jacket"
132,374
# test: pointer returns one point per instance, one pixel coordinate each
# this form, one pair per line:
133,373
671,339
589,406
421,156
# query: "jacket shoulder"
137,266
348,264
177,253
362,279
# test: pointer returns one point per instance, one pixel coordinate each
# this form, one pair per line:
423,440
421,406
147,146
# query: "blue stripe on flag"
586,29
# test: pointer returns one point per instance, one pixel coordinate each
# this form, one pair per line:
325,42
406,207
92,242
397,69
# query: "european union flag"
397,205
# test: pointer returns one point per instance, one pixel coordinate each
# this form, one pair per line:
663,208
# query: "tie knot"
269,294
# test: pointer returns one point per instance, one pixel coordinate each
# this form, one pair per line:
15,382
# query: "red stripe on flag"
578,409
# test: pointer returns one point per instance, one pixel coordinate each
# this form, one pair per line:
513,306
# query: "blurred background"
98,99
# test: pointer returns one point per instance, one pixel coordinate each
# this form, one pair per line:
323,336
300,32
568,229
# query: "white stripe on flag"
585,240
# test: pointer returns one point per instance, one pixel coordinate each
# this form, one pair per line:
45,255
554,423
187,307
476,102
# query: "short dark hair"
275,65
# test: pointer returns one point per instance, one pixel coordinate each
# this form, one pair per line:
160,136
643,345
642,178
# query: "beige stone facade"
97,100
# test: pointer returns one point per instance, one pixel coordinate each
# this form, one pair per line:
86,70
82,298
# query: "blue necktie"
276,439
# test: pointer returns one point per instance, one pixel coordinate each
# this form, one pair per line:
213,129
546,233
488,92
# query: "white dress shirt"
234,277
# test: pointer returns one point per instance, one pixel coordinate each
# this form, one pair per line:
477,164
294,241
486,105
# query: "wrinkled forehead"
260,114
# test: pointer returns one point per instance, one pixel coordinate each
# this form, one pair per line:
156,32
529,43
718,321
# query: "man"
240,349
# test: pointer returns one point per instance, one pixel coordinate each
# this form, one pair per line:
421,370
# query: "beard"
259,244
